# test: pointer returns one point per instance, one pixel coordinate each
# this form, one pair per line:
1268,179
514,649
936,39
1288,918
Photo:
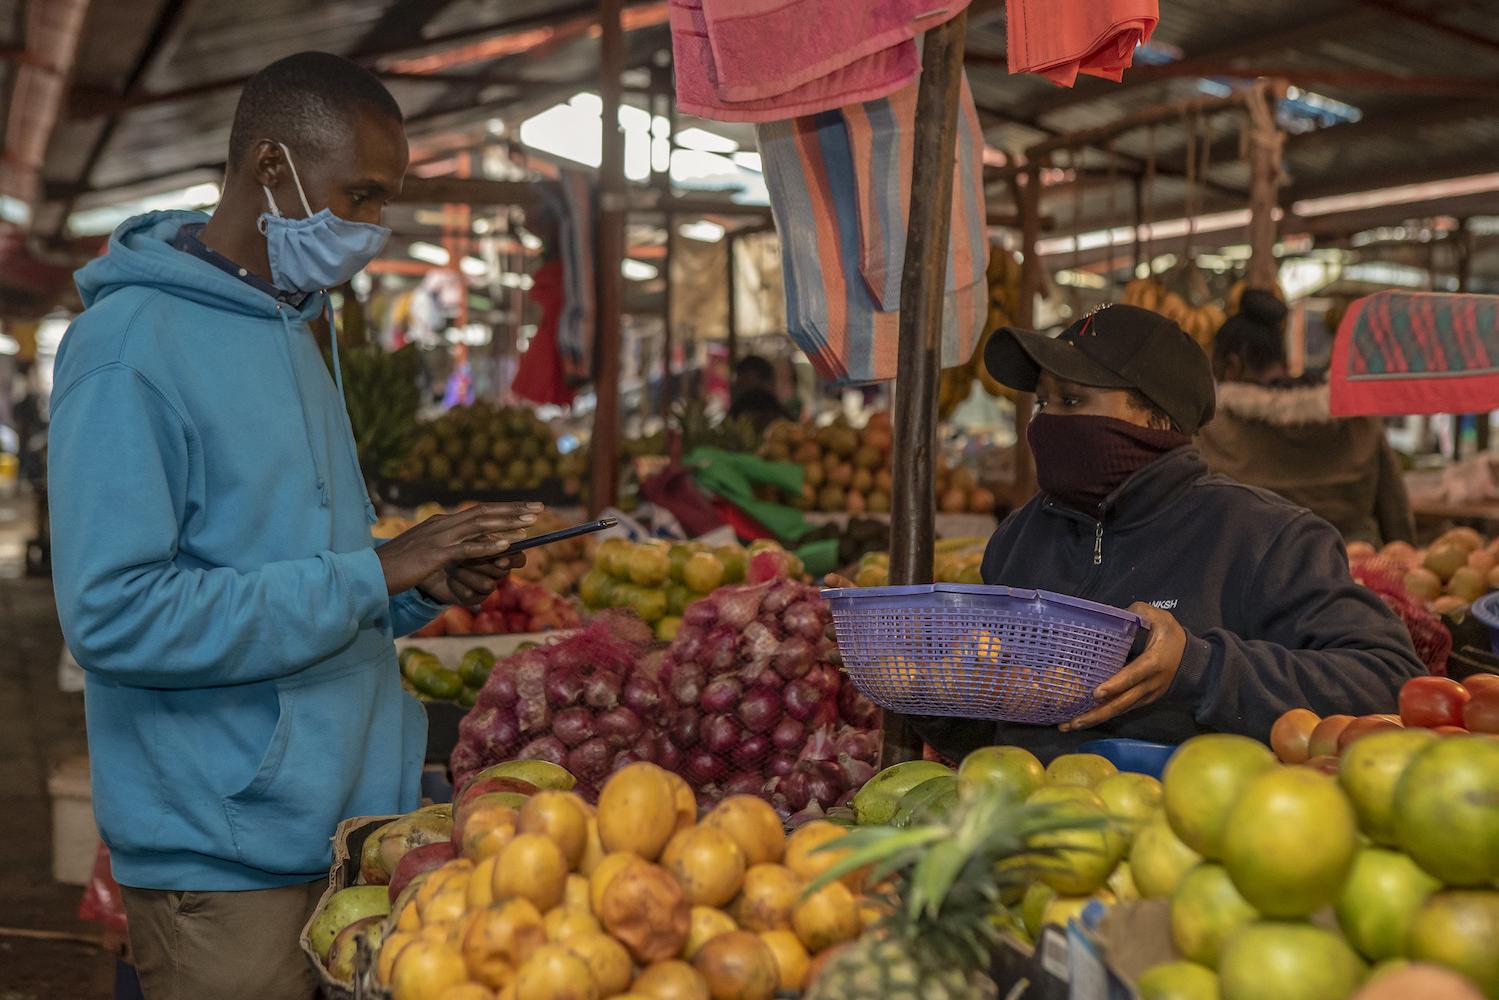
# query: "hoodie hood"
1295,406
141,253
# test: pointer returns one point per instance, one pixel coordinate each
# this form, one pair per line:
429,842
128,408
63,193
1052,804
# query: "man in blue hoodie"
214,569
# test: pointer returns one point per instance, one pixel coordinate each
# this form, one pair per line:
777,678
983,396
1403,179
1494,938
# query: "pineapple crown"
949,873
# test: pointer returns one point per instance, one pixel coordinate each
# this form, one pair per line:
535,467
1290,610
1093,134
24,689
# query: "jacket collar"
1146,493
1291,406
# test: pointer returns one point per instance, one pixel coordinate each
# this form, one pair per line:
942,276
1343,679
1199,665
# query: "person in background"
213,565
1277,433
756,395
1250,606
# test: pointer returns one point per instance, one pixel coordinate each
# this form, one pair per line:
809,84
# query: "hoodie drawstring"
321,481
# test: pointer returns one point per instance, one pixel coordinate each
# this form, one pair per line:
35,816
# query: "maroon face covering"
1081,460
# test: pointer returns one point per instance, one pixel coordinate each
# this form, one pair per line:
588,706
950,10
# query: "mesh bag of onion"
754,701
587,703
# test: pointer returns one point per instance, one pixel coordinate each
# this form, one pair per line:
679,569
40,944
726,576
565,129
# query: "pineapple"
936,942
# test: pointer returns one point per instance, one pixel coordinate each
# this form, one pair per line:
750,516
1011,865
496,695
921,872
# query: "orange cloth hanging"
1061,38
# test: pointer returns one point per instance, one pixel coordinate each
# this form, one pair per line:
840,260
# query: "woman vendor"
1277,432
1248,597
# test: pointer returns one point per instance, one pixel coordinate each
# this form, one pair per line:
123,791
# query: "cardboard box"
75,837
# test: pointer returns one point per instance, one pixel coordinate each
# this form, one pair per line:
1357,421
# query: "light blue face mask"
319,251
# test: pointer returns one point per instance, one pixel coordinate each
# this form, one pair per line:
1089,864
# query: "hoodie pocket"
336,748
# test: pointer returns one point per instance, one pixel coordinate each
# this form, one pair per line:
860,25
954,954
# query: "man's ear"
268,164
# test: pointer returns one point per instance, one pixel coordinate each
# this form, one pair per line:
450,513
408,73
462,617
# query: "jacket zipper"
1098,544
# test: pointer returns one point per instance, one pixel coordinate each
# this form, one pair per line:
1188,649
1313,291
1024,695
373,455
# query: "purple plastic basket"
979,652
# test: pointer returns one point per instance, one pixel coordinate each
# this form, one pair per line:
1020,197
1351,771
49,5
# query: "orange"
1459,930
706,924
424,969
560,816
1131,799
565,923
637,811
708,864
1177,981
1075,860
1013,769
606,958
806,856
671,980
554,973
1158,859
611,866
494,941
1379,899
1370,771
1278,960
1203,780
792,960
1447,810
1290,841
827,917
1083,769
532,867
769,895
753,824
738,966
1206,910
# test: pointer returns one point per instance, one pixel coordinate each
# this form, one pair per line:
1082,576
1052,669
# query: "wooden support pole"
668,387
1025,318
731,287
919,361
1266,143
609,256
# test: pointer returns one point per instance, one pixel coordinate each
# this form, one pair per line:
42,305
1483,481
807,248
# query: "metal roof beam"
1429,20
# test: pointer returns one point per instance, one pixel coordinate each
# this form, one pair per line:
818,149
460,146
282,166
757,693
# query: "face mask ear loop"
296,180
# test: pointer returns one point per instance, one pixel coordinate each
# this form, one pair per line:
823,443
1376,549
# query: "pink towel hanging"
1061,38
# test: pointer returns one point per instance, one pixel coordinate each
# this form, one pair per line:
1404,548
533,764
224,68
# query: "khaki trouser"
222,945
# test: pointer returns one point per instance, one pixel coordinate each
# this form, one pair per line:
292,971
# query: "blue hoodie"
216,577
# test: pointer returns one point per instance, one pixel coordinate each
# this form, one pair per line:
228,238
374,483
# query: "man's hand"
470,583
477,535
1144,679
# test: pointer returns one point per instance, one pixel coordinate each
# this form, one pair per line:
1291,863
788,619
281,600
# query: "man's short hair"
308,101
755,368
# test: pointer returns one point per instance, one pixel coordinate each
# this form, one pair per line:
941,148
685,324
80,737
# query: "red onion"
685,679
721,695
744,783
793,658
848,795
825,782
819,746
688,645
530,683
824,715
720,733
738,606
788,734
780,764
751,752
590,761
601,689
548,748
700,615
781,594
624,759
856,709
801,697
721,650
573,726
797,788
826,678
667,755
641,695
860,744
647,748
466,760
812,812
759,710
701,767
568,657
620,726
498,732
563,686
804,619
683,727
855,772
499,690
757,643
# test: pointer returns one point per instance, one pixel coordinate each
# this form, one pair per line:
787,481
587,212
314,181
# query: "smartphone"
557,536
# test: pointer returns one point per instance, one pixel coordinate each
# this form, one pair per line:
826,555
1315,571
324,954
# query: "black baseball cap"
1116,347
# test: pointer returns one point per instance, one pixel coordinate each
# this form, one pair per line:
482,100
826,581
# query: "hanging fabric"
840,191
769,60
1061,38
540,375
1402,353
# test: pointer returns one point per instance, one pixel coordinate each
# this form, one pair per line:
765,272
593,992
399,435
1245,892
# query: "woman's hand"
1144,679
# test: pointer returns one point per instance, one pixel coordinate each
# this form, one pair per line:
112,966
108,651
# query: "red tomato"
458,621
1481,713
1363,726
1432,702
1478,682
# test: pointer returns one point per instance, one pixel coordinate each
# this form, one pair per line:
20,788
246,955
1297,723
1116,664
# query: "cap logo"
1088,318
